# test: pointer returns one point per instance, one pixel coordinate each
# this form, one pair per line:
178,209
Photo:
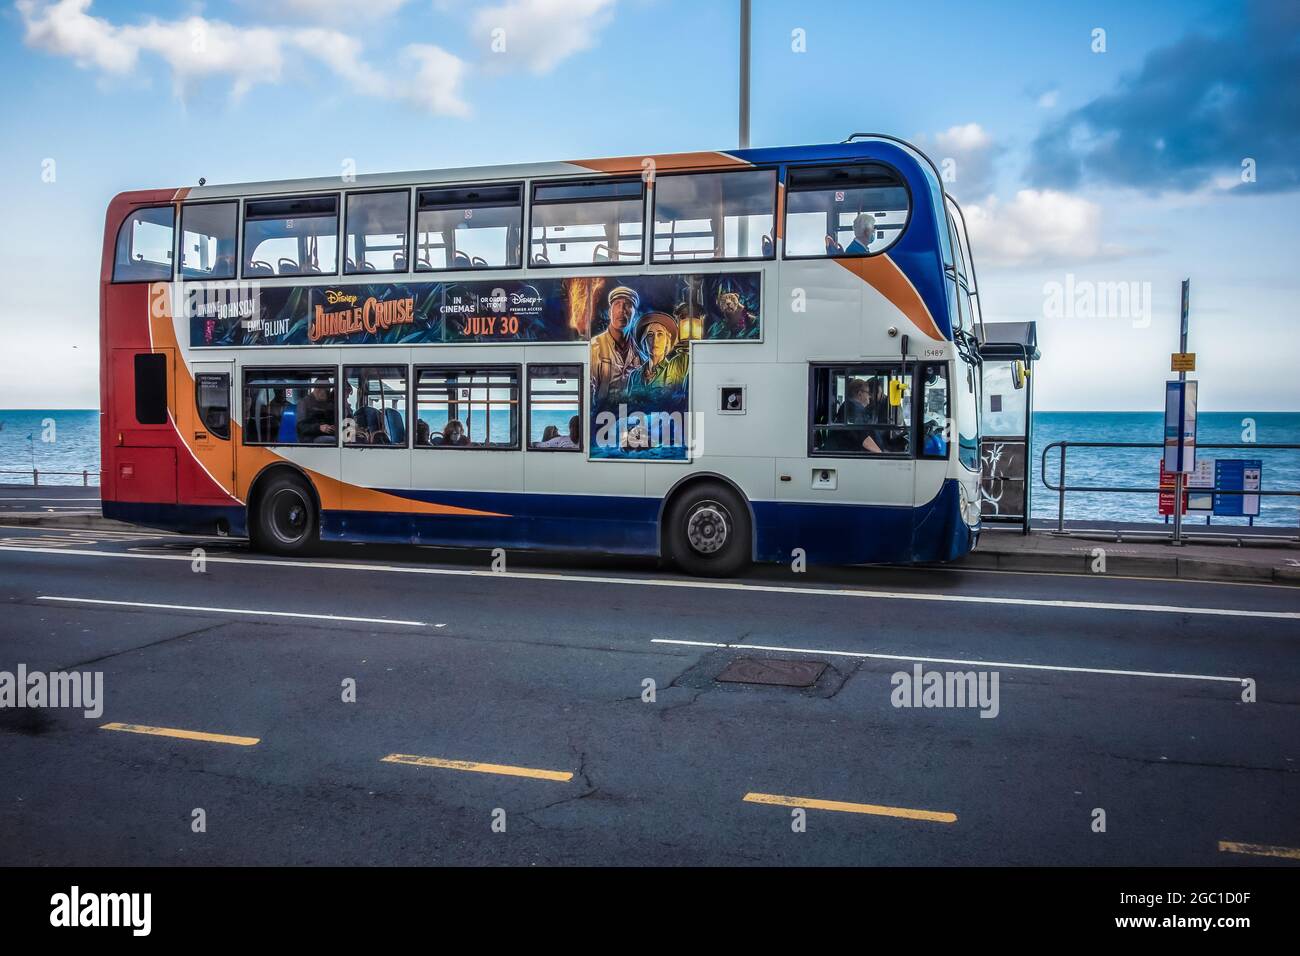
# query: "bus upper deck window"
208,232
592,222
702,216
291,236
144,246
376,232
844,211
469,227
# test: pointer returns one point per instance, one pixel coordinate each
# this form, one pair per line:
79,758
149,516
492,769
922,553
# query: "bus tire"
709,531
286,521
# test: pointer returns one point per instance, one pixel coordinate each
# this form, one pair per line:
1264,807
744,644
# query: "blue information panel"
1238,474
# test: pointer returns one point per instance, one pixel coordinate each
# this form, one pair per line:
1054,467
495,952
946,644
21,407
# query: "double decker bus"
714,357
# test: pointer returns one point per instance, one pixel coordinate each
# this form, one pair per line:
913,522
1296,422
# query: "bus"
714,358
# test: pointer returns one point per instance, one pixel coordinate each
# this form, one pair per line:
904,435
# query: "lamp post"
744,74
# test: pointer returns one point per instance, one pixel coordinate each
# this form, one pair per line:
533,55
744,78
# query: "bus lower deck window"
290,406
854,413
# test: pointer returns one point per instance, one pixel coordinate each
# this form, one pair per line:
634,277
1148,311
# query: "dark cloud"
1192,113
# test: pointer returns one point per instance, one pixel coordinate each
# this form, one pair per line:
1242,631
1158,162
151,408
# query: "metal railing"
1061,487
36,473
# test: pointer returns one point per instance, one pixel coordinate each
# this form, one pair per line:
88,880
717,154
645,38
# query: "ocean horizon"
67,440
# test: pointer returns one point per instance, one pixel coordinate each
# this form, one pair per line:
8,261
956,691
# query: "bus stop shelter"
1008,350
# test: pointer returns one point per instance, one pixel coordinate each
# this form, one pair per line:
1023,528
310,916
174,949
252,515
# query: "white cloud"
541,33
966,156
197,48
1038,226
967,138
1049,99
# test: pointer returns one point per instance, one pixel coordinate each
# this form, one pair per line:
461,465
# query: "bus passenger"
858,409
316,414
864,230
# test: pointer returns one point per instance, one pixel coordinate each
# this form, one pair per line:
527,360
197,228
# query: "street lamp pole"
744,74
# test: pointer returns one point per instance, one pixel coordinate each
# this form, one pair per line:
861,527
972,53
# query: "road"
517,701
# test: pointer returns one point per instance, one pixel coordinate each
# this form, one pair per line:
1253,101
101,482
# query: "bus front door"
209,432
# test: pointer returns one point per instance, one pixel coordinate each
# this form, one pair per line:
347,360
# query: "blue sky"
1079,167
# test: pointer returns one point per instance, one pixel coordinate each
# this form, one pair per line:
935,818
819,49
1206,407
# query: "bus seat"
368,418
257,418
259,268
289,426
394,426
287,267
461,261
479,262
368,267
399,263
351,266
768,248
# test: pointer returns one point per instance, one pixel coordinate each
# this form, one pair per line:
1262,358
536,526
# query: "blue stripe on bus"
827,533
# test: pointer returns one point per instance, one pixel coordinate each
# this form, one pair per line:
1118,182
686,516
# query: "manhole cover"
751,670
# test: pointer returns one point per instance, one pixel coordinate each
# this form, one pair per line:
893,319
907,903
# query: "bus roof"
883,148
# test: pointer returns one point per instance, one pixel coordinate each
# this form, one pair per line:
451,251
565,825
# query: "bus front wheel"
709,531
286,520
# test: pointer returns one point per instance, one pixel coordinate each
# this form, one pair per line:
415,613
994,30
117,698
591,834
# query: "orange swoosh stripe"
883,275
666,162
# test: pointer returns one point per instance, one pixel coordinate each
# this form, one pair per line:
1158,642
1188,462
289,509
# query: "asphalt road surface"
506,717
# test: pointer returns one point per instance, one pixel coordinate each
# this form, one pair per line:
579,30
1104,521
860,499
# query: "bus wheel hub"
707,528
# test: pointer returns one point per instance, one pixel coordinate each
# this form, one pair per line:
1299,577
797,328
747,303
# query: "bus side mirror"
1019,372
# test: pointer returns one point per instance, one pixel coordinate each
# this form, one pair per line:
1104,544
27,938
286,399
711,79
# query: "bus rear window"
290,237
144,246
842,211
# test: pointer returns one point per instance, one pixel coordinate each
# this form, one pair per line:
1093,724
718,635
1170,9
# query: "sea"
68,441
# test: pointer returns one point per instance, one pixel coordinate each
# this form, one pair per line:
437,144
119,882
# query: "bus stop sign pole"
1180,479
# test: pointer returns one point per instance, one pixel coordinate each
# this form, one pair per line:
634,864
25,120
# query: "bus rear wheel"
709,531
286,521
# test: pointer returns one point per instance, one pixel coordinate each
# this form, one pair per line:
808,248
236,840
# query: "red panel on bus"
145,474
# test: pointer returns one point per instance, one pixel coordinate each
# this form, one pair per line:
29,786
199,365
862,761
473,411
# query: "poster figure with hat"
613,353
641,356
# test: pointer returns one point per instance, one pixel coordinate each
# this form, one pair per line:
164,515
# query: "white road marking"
948,660
229,610
695,585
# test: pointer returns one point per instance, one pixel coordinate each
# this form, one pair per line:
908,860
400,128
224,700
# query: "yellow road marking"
182,734
498,768
934,816
1260,849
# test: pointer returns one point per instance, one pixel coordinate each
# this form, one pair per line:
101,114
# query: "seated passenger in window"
422,432
453,433
860,402
316,415
864,230
551,437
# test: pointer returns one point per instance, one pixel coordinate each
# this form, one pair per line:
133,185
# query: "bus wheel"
286,516
709,531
